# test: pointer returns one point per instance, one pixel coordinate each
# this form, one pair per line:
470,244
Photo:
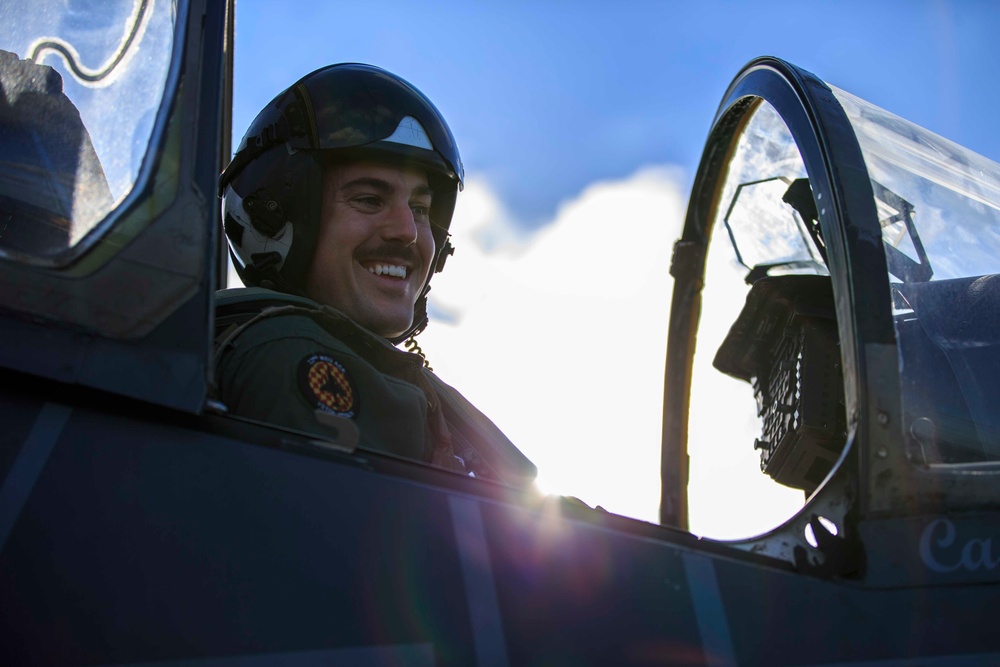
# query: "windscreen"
82,83
939,209
761,229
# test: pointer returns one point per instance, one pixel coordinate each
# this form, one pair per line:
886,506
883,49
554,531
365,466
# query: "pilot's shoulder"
250,299
261,315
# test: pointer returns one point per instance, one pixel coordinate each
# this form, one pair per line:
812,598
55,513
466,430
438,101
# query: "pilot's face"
375,247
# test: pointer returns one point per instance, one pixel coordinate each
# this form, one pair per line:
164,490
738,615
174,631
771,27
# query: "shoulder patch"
327,386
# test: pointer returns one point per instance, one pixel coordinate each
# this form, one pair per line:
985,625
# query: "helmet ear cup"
265,212
303,202
283,203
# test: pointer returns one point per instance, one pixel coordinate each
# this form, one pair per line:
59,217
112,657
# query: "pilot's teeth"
388,270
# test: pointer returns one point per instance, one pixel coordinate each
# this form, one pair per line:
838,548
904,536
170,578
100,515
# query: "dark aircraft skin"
141,524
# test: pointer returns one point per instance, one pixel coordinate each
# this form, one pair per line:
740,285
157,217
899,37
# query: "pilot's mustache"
391,250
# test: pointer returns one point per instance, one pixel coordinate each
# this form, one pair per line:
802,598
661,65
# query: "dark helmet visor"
356,105
352,106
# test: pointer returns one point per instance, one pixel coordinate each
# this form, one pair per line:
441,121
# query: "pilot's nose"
400,224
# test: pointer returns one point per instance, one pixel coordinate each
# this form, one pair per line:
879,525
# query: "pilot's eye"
421,211
370,201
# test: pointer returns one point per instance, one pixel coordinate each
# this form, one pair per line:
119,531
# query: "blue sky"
546,97
581,125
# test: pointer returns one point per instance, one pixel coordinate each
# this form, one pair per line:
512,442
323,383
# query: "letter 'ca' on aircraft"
142,524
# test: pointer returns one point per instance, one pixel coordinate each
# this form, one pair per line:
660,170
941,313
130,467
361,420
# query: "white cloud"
560,337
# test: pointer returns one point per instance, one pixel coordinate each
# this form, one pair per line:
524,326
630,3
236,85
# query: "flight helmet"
272,190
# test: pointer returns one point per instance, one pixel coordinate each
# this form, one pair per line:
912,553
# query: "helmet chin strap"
446,251
420,319
419,322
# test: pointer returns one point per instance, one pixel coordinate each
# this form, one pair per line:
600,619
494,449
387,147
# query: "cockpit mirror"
773,223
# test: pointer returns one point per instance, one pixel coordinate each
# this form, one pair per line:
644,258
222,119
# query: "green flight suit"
280,359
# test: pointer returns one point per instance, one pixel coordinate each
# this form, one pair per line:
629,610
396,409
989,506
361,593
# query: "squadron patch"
326,385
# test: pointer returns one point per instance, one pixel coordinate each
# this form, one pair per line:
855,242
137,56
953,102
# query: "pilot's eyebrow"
383,186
